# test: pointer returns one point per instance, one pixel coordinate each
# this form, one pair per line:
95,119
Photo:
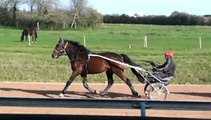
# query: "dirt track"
118,91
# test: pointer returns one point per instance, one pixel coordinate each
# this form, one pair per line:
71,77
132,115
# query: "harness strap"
118,62
62,49
65,45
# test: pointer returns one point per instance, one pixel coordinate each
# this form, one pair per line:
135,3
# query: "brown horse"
82,64
29,32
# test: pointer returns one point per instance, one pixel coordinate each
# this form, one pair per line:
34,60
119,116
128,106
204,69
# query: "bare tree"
78,6
9,7
4,3
31,4
14,11
9,4
41,6
48,13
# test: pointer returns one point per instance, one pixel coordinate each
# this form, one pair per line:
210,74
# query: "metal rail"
107,103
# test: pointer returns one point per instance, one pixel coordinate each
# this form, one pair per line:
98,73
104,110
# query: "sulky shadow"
193,94
77,94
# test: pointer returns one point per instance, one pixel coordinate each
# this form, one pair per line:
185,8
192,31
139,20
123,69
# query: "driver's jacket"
168,67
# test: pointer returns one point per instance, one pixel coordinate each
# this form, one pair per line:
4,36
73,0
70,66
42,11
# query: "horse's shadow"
53,93
19,41
193,94
45,93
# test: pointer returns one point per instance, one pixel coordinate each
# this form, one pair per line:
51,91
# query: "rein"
65,45
112,60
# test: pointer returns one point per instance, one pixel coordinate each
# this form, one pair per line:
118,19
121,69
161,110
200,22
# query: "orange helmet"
169,53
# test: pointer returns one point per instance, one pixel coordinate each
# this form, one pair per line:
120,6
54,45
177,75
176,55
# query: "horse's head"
59,48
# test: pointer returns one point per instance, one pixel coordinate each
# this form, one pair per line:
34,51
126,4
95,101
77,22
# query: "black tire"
147,88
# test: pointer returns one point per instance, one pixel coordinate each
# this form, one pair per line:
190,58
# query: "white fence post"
200,45
63,25
145,41
84,40
38,26
129,46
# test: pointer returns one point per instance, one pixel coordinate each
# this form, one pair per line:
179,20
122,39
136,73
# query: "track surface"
117,91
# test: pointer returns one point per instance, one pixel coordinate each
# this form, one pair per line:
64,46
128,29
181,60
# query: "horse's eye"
61,47
58,46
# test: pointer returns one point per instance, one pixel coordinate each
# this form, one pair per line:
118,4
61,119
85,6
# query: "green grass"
21,62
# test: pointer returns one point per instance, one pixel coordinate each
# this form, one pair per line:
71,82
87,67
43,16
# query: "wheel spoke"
157,91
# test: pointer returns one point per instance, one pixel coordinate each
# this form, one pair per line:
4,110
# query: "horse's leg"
109,74
32,39
66,86
26,38
120,74
72,77
127,81
86,85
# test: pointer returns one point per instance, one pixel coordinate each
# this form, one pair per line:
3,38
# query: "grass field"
21,62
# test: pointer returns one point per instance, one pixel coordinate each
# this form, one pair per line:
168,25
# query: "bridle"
62,50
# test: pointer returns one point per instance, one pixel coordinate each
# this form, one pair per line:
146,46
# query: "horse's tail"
127,60
22,36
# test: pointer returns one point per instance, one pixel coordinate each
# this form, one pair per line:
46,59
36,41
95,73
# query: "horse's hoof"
61,95
96,92
135,94
103,94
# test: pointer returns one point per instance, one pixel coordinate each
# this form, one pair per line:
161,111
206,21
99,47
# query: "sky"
151,7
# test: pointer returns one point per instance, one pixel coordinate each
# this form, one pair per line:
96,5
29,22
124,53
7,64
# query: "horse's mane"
79,46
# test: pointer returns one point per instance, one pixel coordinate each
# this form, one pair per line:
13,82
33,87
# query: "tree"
31,4
91,18
9,11
48,14
14,10
78,7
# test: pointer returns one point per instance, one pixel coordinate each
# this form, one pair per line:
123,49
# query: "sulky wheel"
157,91
147,88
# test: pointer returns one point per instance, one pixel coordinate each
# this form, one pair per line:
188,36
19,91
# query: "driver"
165,70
